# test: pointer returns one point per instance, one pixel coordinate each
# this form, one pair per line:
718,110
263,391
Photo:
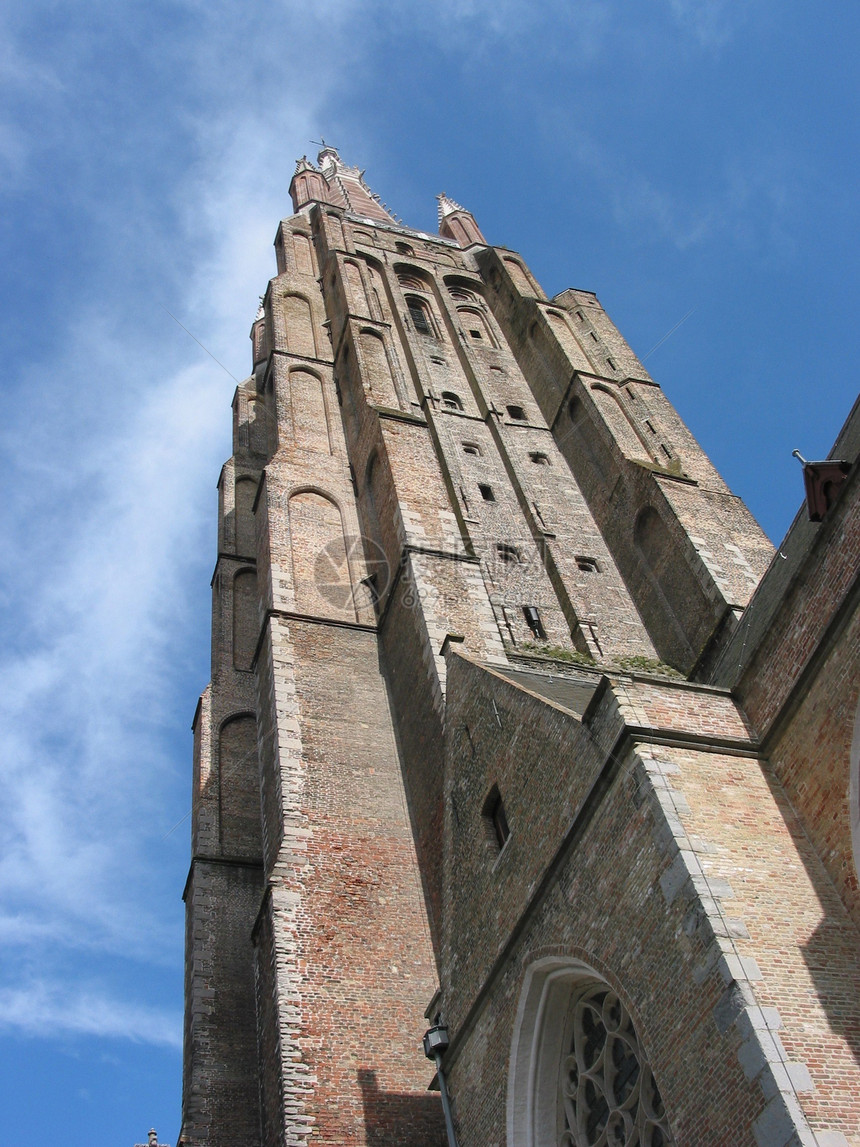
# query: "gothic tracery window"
606,1092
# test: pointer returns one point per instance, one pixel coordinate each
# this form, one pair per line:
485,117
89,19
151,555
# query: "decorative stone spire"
456,223
335,182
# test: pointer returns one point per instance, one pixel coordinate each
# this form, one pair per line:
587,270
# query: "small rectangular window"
587,565
476,334
487,492
517,413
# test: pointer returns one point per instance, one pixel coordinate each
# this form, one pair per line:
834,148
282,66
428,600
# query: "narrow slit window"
665,450
495,819
593,336
486,492
650,426
517,413
611,364
587,565
533,620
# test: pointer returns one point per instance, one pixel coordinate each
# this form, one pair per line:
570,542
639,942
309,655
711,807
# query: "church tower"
460,757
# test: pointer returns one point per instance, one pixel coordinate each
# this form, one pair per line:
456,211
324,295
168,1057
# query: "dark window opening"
665,450
450,401
419,316
507,552
579,316
587,565
476,334
486,492
539,459
496,819
517,413
404,248
533,621
471,448
593,336
611,364
650,426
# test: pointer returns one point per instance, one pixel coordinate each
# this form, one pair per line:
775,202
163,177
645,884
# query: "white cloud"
712,23
43,1009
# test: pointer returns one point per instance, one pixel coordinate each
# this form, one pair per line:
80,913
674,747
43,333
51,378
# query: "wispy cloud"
42,1009
711,23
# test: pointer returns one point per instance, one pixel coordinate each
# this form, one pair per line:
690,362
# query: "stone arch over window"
309,409
377,291
517,272
617,418
322,576
377,374
476,328
298,318
579,1073
411,282
239,788
451,401
245,619
303,253
559,325
355,285
854,790
246,541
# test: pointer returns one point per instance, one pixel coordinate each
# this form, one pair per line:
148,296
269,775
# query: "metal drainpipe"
435,1044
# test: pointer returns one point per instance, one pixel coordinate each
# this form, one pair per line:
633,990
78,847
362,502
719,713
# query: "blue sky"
680,157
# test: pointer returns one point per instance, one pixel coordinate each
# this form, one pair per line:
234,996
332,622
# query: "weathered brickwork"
465,546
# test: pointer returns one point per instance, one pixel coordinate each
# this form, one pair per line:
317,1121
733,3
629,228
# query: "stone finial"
447,206
456,223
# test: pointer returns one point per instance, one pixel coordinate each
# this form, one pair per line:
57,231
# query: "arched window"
507,553
580,1074
451,401
410,283
403,249
419,313
516,413
475,327
472,448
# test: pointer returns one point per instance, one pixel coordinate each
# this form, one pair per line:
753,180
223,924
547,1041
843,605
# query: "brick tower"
474,745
